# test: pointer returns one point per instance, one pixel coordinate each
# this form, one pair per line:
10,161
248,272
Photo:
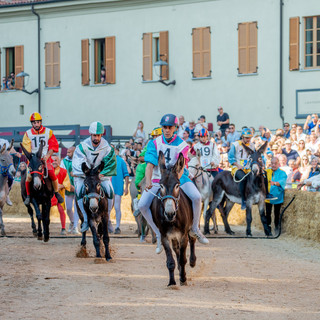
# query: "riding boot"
27,199
85,225
55,185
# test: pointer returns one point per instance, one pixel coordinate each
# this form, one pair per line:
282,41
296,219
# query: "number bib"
241,154
36,140
206,152
95,157
171,154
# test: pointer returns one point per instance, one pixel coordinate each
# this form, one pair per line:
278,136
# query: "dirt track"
233,279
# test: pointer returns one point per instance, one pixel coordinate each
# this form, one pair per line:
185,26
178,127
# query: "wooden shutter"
201,51
252,47
85,62
147,56
164,53
52,64
110,56
247,47
18,63
294,43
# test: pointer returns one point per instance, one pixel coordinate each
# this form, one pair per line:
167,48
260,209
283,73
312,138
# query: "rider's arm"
232,157
110,164
149,170
53,144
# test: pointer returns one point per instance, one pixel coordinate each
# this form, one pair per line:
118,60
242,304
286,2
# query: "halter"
94,195
202,170
176,200
4,170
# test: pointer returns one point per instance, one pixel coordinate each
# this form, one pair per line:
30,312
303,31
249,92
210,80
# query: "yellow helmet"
156,131
35,117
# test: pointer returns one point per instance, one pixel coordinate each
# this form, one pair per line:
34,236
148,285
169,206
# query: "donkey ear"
27,154
262,149
11,144
39,153
249,150
179,164
3,148
100,167
85,168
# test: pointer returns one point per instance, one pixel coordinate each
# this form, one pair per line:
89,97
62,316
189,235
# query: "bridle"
162,199
201,170
5,170
94,195
41,173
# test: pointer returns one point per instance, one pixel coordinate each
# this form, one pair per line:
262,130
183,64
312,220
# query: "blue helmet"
246,133
169,120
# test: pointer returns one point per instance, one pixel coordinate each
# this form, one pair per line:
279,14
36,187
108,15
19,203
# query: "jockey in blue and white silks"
93,151
171,145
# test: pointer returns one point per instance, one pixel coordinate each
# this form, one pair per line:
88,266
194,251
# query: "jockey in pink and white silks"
171,145
93,151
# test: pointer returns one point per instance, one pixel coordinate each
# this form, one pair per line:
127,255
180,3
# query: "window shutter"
52,64
252,47
18,62
48,64
294,44
196,52
85,62
164,53
242,47
147,56
56,64
206,52
110,64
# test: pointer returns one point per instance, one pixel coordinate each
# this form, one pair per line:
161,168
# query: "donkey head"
170,186
6,161
256,158
93,190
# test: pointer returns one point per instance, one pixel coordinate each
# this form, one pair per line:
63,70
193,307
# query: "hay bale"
18,207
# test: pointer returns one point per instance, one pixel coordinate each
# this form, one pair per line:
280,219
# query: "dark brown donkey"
172,214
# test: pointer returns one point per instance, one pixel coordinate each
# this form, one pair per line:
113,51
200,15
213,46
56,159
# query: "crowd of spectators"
9,82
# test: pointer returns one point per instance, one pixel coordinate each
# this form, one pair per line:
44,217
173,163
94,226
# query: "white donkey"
203,181
6,169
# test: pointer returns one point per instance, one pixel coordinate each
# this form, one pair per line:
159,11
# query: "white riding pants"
72,210
117,208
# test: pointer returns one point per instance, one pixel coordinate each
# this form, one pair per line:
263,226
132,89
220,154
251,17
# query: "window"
294,43
104,61
201,52
52,64
247,48
155,48
312,42
13,66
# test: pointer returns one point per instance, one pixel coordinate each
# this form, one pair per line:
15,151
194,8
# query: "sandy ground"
233,279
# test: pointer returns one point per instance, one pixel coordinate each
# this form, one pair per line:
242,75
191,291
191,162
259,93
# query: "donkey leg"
46,220
96,240
84,240
33,225
193,258
176,249
170,261
205,208
3,232
224,214
183,260
249,219
106,238
266,227
39,218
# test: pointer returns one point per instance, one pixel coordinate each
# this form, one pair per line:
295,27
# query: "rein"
4,170
95,195
201,169
250,164
176,200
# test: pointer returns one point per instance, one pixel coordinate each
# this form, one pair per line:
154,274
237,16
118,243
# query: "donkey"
203,181
41,191
226,190
7,170
95,204
172,214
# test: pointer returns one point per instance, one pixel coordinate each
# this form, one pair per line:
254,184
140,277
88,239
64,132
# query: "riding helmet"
35,117
246,133
203,132
96,128
169,120
156,131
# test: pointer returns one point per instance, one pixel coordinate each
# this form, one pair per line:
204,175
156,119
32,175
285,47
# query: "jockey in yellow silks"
239,160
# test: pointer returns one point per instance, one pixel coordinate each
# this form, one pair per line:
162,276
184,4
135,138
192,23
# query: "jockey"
171,145
209,153
93,151
31,142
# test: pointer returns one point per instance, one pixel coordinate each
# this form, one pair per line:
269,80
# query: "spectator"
182,126
117,183
262,130
140,133
70,195
314,170
217,136
63,184
224,138
103,75
222,120
186,136
296,175
233,136
305,168
4,84
311,122
290,153
300,135
294,127
191,129
286,169
201,124
301,148
286,129
13,80
313,182
276,150
266,135
9,84
317,153
277,182
314,142
253,130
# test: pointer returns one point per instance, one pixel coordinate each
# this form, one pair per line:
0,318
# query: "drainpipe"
281,58
39,95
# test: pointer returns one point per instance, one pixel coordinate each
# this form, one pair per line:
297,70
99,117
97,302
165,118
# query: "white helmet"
96,128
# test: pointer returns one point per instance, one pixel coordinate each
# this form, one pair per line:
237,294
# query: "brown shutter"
48,64
147,56
110,54
206,52
252,47
294,44
18,63
164,53
196,52
85,62
242,47
56,64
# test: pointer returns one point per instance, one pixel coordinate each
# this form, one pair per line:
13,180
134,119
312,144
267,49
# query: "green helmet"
96,128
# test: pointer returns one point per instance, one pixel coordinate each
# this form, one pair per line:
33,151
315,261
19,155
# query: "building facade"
258,59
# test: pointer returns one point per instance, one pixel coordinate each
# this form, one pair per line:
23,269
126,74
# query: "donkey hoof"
249,234
108,258
3,233
172,283
46,239
205,232
39,237
183,283
193,263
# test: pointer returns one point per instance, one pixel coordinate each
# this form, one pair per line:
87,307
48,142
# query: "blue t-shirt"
122,172
311,125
